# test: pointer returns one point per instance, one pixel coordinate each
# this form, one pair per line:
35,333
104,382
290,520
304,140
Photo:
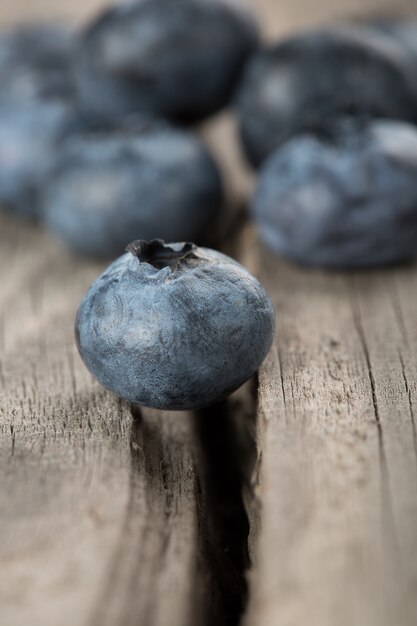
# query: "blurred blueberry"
143,180
308,80
402,29
344,200
173,326
37,109
36,62
178,59
29,138
400,32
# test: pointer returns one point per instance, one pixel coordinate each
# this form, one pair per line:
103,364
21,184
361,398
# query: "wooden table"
114,519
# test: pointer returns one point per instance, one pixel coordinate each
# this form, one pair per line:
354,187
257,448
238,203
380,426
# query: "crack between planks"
226,454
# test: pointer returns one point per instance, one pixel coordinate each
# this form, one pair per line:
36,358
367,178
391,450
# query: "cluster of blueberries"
330,118
93,125
94,139
94,143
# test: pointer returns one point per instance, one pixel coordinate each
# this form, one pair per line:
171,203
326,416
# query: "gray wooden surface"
336,478
109,520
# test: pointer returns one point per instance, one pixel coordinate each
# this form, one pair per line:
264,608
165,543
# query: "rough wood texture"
337,455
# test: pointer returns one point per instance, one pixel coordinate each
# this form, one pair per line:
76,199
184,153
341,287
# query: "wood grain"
337,465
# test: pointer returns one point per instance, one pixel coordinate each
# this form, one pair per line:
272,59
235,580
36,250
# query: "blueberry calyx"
160,255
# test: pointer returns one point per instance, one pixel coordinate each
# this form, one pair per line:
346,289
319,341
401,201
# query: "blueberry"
37,109
178,60
174,326
143,180
348,199
305,82
36,62
29,138
402,30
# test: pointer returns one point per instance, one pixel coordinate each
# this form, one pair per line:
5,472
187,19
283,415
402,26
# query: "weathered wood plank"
337,473
98,519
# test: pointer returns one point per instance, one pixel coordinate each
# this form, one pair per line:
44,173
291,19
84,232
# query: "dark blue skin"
347,200
36,110
30,135
173,326
402,30
36,63
307,81
145,182
178,60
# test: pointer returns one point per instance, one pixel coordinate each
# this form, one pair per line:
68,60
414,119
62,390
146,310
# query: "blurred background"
277,17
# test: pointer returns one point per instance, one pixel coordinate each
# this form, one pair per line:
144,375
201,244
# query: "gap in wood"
225,457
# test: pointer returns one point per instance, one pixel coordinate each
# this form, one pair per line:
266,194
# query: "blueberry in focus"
345,200
305,82
174,326
179,60
144,180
